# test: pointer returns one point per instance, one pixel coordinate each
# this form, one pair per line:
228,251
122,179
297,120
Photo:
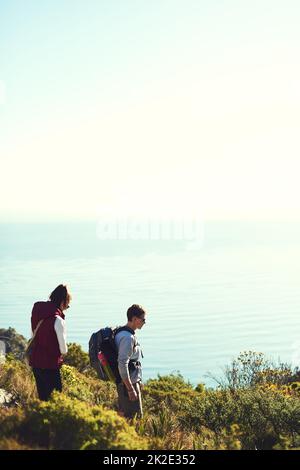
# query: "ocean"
237,290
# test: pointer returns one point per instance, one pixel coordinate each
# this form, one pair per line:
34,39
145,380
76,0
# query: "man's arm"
124,354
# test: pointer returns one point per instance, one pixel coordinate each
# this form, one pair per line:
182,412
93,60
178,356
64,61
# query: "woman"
49,343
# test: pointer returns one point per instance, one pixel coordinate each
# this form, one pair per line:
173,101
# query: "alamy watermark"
137,228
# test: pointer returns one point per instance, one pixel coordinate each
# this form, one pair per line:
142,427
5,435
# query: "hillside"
255,406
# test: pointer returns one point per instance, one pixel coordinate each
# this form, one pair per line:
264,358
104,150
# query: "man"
49,343
129,364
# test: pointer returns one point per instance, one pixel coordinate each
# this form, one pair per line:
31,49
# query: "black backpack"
104,341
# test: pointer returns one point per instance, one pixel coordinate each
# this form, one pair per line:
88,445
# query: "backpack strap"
37,328
125,328
30,342
29,346
132,364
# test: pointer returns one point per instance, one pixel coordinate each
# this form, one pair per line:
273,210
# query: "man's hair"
59,295
135,311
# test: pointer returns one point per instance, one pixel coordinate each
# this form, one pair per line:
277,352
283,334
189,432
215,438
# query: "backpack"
104,341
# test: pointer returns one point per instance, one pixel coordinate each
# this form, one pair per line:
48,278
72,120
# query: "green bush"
170,391
262,415
65,423
17,378
76,357
76,385
10,422
252,368
226,439
85,388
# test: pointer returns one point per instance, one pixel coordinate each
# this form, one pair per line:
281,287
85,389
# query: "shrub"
262,415
10,422
75,385
65,423
170,391
162,431
226,439
214,410
17,379
76,357
87,389
252,368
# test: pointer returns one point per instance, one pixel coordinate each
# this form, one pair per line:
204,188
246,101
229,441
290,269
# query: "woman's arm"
60,329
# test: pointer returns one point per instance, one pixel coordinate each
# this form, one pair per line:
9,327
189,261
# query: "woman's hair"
59,295
135,311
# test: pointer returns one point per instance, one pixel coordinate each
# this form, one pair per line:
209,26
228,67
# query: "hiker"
49,341
129,364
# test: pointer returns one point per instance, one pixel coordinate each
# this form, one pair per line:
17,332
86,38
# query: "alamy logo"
131,228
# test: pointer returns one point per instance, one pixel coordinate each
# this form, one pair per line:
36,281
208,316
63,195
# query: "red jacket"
45,351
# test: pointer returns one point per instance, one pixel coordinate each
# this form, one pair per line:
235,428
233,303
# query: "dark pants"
130,409
47,380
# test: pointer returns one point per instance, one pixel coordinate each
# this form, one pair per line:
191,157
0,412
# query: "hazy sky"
149,105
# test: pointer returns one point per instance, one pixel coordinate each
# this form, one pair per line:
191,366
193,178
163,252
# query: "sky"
149,107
